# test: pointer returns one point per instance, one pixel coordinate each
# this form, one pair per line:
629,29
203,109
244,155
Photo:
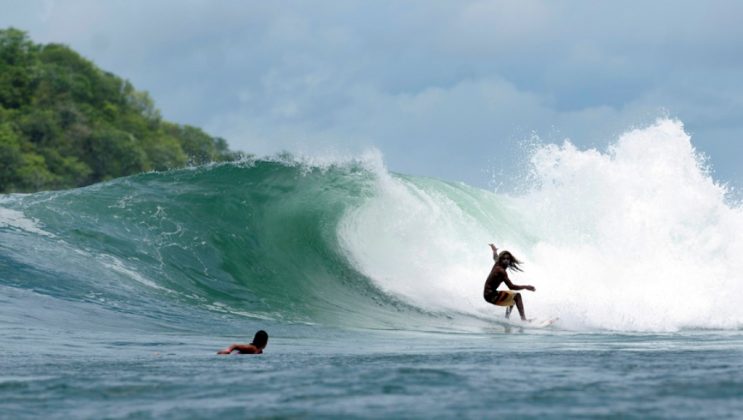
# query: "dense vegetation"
65,123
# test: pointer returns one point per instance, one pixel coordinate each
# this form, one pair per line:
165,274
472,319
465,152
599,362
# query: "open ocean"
114,298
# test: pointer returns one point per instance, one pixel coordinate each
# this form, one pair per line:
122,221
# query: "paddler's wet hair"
514,264
260,339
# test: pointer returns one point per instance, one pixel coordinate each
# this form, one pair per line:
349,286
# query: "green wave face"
259,239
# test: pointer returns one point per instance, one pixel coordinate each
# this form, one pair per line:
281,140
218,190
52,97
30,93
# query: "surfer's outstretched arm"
495,251
517,286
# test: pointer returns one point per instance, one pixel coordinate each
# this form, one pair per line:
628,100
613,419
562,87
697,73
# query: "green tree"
112,153
17,68
10,158
64,122
33,175
165,153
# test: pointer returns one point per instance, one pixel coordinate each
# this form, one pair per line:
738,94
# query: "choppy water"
115,297
328,373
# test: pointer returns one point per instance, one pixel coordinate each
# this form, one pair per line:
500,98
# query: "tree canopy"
66,123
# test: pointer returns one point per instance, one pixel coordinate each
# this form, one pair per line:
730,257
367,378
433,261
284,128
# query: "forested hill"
66,123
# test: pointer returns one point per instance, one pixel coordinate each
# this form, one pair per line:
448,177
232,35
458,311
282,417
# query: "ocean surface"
115,298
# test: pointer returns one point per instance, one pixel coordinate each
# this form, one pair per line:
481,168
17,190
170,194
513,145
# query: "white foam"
636,238
17,220
118,266
417,244
370,159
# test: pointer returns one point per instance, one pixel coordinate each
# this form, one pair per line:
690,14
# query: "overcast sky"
442,88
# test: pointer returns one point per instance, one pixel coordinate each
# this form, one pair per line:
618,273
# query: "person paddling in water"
498,275
256,347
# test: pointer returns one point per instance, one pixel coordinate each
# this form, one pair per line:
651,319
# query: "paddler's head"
260,340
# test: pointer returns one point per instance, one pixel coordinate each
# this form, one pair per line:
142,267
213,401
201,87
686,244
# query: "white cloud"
436,86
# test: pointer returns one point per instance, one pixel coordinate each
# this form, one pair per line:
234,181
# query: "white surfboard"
543,323
532,323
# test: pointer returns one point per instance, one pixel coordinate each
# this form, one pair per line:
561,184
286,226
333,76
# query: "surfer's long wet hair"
260,339
514,265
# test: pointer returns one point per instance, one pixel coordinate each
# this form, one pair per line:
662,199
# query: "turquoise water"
116,297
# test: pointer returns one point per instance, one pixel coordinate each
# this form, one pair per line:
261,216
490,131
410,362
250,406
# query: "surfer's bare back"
503,261
260,340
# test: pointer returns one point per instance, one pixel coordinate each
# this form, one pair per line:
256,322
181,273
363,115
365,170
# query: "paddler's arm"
228,350
242,348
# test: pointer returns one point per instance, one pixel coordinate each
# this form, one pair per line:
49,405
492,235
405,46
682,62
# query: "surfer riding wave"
498,274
